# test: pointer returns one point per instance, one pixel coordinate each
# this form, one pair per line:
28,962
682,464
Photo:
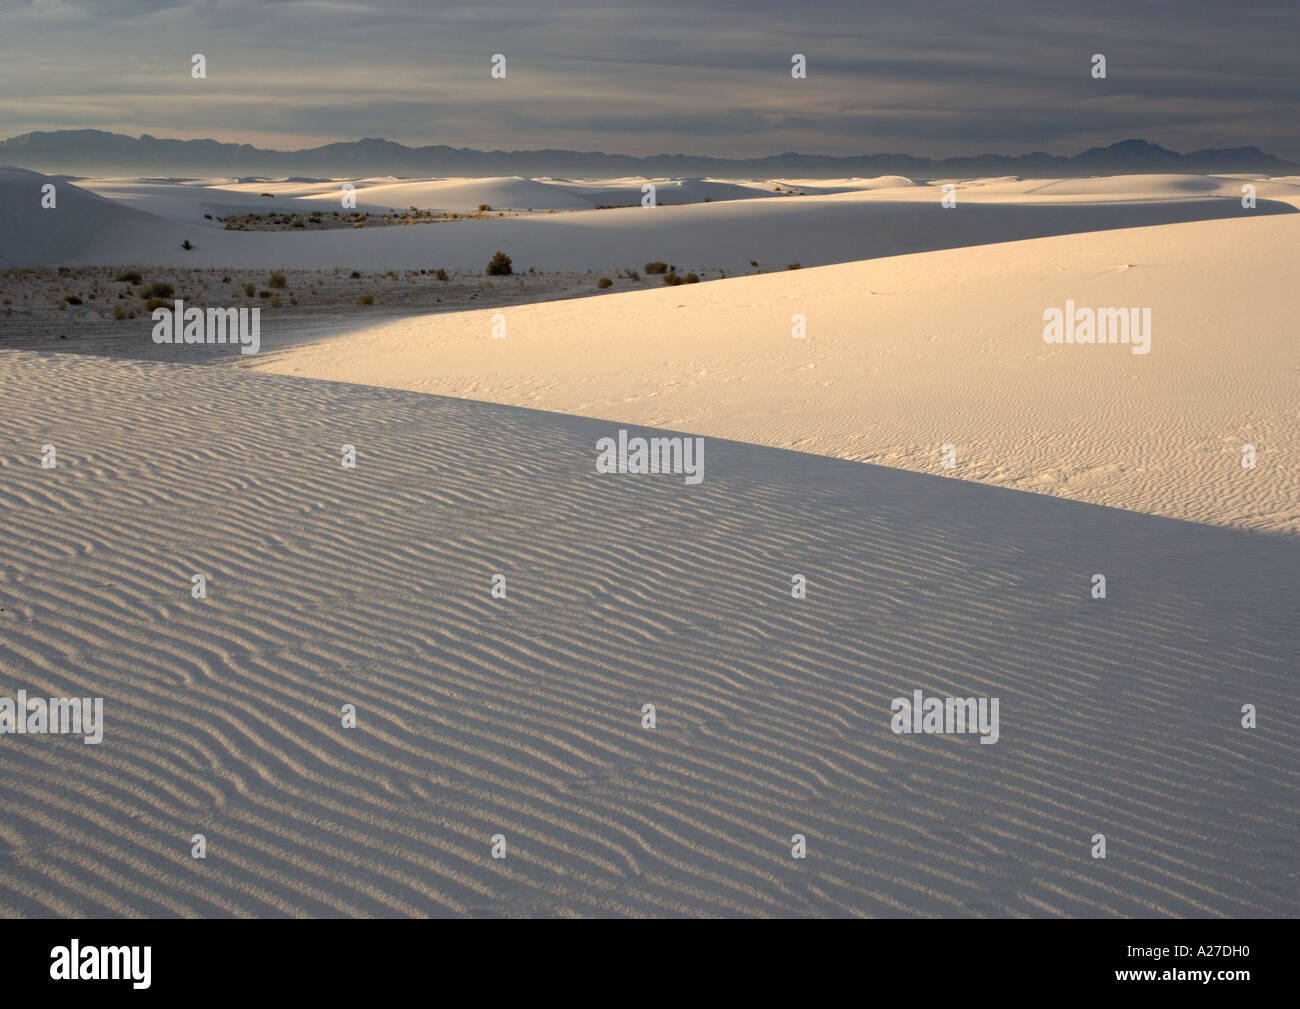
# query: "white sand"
812,230
905,355
521,716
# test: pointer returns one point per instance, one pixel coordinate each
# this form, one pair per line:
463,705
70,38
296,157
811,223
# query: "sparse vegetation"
499,265
792,266
120,313
483,208
692,278
275,302
130,276
277,280
604,282
672,280
441,274
656,267
365,299
161,289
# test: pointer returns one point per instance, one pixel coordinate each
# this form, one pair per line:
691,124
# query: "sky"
701,77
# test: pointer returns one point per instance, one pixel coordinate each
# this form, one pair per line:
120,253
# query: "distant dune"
151,221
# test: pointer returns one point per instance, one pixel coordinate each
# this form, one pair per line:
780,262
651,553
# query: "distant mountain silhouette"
94,152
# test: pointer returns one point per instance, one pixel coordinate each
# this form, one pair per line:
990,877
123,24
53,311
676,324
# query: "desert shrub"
250,289
753,262
62,306
483,208
692,278
153,303
656,267
72,299
631,275
499,266
604,282
672,280
207,217
276,280
269,195
275,302
65,269
225,280
792,266
119,312
365,299
263,294
441,274
161,289
130,276
186,245
356,275
292,300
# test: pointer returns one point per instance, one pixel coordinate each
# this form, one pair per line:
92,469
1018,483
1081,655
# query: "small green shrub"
499,265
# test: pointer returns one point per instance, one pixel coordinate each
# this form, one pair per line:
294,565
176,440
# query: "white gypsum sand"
907,354
522,716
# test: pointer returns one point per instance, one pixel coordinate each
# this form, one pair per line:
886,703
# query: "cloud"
710,78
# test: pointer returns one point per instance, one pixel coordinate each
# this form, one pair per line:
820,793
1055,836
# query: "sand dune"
905,355
521,716
810,230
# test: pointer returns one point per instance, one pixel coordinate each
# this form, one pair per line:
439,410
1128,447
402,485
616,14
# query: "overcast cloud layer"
710,78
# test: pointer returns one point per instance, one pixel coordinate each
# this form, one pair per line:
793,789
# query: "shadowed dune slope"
522,716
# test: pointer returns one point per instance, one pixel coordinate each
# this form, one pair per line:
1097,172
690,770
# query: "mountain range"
95,152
